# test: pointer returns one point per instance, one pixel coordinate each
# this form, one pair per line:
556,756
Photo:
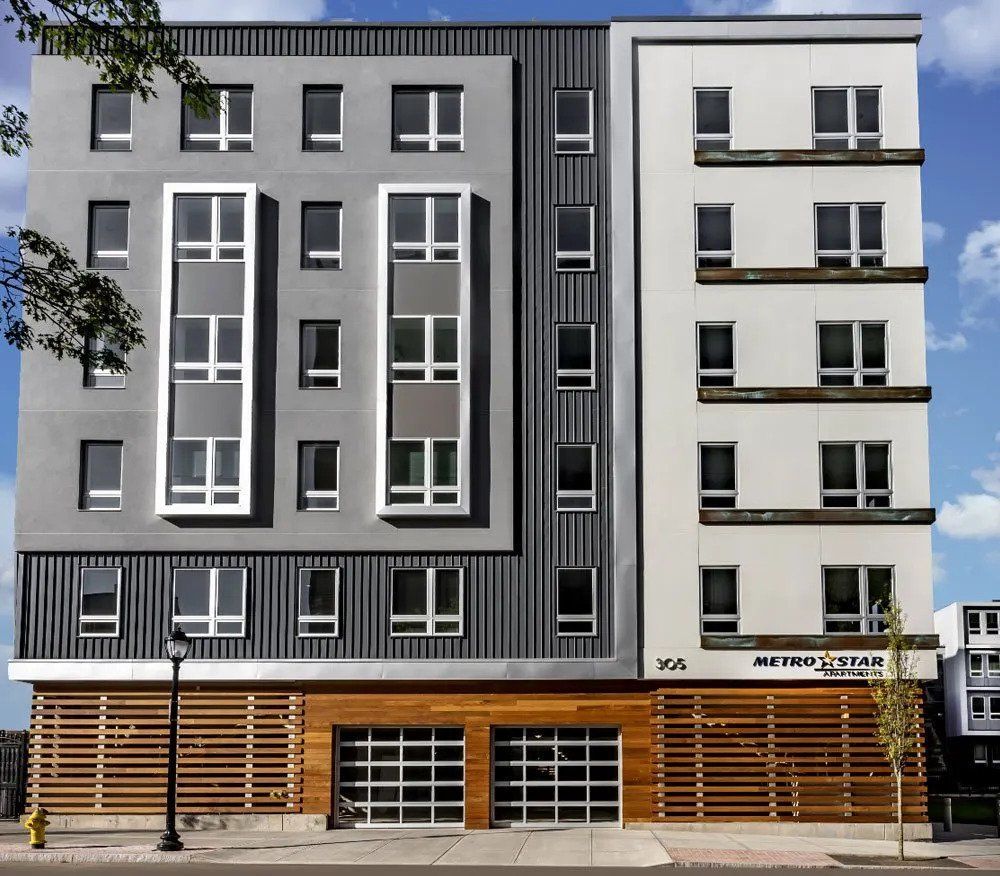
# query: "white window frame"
564,496
568,255
858,372
213,618
988,664
305,496
307,137
982,616
333,619
855,253
587,138
320,372
577,618
980,713
97,136
994,708
735,618
94,254
432,138
212,365
101,618
719,494
851,134
209,489
85,494
862,494
428,367
698,137
714,372
700,254
588,374
224,138
428,490
430,618
214,245
102,378
868,621
323,253
429,247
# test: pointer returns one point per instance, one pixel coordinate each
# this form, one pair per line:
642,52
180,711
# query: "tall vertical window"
111,120
576,602
575,356
425,349
97,375
847,118
210,602
424,471
574,238
208,228
319,476
426,602
849,235
230,129
319,602
424,229
855,599
856,475
720,604
716,354
100,601
204,471
714,235
208,349
575,489
852,354
101,476
428,120
319,355
713,128
321,236
574,121
717,475
322,118
108,235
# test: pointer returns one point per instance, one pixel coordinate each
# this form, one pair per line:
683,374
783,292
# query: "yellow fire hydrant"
36,824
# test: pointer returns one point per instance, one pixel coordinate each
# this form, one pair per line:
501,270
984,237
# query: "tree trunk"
899,813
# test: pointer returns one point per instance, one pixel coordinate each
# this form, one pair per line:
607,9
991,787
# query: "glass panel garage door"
556,775
392,776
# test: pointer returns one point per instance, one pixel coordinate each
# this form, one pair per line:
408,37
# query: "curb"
70,857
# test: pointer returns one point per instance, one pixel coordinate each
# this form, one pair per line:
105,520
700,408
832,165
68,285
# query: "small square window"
428,120
322,118
716,354
575,356
207,349
855,475
425,349
712,119
714,235
720,613
847,118
849,236
319,476
576,602
575,488
100,601
424,472
111,125
427,602
574,124
855,599
574,238
101,476
977,708
210,602
101,376
108,235
204,471
229,129
319,601
321,229
853,353
424,229
209,228
717,475
319,355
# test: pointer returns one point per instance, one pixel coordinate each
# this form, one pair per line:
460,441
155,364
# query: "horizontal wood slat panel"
239,751
737,754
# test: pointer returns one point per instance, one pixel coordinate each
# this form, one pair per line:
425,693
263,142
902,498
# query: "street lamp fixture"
177,645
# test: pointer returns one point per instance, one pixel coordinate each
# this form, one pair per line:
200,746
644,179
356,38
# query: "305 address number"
671,664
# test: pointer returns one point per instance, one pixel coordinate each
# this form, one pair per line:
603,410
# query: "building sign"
828,665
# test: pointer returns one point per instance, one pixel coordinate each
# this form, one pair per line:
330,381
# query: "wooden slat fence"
107,753
775,754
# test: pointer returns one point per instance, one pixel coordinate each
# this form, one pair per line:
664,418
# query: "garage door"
556,775
392,776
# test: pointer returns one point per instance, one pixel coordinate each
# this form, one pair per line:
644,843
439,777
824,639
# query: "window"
321,236
855,598
111,122
427,120
97,375
980,754
847,118
101,476
574,121
208,228
319,476
712,119
977,708
208,349
574,238
853,354
714,235
720,611
855,475
575,357
575,490
425,349
319,355
424,471
228,130
205,471
983,622
576,602
984,665
424,229
322,119
995,708
849,235
716,354
108,236
99,601
319,598
210,602
717,475
426,602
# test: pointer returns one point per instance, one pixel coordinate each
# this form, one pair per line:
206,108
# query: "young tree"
897,705
46,298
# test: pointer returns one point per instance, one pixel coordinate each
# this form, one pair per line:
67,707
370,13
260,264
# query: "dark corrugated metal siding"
510,597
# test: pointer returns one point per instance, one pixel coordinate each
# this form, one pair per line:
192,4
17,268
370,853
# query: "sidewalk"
581,847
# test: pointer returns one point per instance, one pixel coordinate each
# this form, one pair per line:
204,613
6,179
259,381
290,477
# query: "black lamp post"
177,644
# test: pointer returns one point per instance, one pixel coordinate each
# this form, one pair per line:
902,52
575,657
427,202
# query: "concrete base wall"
840,829
188,822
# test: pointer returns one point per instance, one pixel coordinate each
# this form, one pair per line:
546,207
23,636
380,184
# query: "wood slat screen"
775,754
107,753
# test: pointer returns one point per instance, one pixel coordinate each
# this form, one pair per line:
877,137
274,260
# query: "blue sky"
960,123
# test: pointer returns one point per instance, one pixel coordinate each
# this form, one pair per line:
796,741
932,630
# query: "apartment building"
488,410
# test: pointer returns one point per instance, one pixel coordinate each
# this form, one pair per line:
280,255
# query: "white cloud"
8,568
971,516
979,272
933,233
242,10
953,343
435,14
939,572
